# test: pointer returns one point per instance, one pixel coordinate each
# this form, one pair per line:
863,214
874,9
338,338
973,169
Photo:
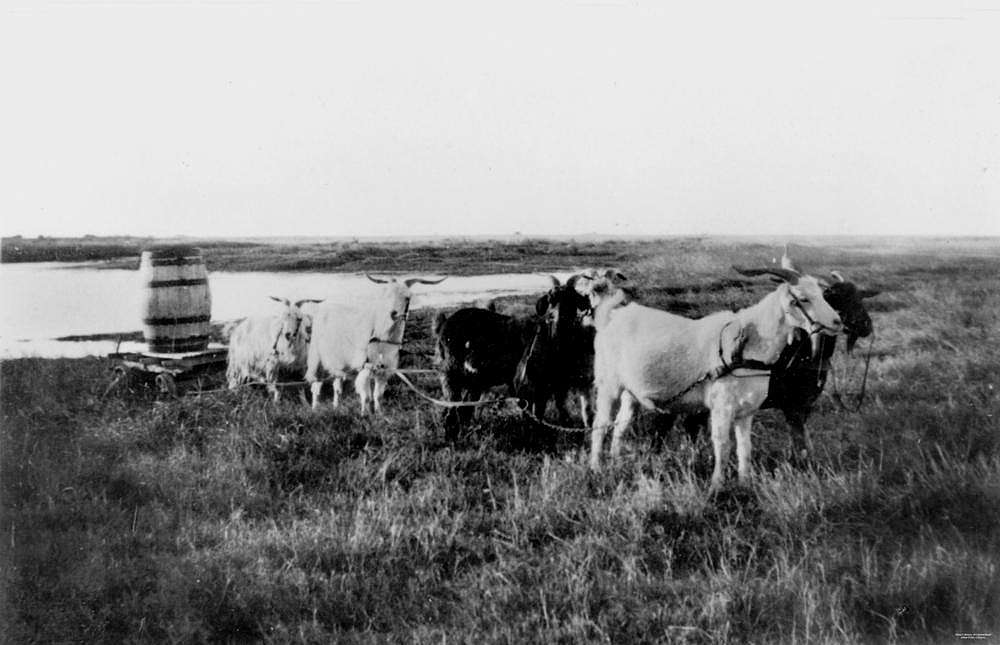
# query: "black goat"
537,357
477,349
800,373
563,359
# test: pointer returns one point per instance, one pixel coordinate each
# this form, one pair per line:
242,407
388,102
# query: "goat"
644,355
262,346
365,339
800,372
475,350
539,357
799,375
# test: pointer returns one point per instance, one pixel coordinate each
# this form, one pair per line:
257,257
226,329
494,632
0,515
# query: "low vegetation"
447,257
226,517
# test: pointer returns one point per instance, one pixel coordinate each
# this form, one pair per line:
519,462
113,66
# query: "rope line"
523,406
838,397
454,404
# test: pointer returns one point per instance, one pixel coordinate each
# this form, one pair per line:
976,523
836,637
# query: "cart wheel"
166,385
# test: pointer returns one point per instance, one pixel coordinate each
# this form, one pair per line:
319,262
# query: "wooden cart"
170,373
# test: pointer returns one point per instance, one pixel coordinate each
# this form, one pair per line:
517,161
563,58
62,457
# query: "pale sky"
426,118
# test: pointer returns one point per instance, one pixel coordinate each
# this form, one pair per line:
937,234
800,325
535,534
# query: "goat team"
588,336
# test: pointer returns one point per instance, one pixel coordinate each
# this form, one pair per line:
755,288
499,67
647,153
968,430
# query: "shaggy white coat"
262,346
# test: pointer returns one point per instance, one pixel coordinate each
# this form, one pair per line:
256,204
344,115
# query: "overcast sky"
373,118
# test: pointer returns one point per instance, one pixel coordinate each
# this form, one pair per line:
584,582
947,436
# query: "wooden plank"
173,364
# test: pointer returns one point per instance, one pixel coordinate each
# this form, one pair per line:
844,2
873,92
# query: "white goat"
365,339
650,356
262,346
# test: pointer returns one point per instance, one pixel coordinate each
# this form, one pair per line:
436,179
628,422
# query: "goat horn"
281,300
299,303
409,282
555,281
788,275
376,280
838,276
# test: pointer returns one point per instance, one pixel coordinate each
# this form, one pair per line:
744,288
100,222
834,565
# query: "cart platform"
169,371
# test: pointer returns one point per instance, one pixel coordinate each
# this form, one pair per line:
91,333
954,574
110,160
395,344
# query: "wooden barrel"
177,306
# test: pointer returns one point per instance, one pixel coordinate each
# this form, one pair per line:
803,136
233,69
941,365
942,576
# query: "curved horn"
281,300
789,276
299,303
376,280
409,282
555,281
838,276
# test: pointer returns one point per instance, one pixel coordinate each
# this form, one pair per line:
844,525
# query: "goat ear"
542,305
868,293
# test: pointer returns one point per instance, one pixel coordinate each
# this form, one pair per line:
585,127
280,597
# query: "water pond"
45,301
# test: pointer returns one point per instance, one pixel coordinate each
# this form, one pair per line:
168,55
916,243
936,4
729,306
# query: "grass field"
228,518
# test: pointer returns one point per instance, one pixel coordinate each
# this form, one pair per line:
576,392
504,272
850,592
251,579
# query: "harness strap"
375,339
522,365
816,327
742,363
